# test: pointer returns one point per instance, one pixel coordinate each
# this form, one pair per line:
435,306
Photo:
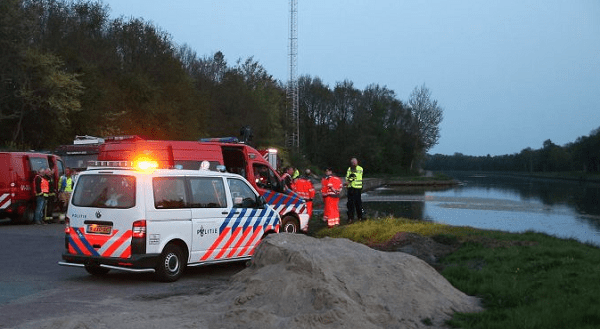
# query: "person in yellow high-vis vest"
65,188
354,183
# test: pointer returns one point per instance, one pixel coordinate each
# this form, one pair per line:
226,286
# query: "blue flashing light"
221,140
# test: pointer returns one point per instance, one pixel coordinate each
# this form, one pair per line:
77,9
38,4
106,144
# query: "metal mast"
292,87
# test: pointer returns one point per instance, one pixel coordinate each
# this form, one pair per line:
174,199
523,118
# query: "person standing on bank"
331,187
354,181
50,196
41,189
287,178
305,189
65,188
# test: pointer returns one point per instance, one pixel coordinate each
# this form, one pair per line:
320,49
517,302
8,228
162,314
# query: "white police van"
161,220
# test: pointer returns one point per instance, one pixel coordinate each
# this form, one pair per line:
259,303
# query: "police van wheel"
289,224
96,270
171,264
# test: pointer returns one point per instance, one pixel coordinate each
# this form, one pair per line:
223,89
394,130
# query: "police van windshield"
105,191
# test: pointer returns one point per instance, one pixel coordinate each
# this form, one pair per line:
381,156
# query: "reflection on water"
562,208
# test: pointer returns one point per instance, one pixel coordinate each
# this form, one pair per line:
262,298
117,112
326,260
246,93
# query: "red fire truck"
77,155
17,170
236,157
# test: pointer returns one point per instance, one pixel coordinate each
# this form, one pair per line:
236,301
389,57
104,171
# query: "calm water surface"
560,208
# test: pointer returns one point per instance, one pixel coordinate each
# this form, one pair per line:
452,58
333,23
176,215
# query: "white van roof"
160,172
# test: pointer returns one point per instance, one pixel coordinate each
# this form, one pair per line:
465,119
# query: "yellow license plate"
99,229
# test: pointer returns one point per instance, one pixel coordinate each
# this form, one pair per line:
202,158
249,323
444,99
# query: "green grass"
382,230
528,280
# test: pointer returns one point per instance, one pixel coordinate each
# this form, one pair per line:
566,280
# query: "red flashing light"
144,163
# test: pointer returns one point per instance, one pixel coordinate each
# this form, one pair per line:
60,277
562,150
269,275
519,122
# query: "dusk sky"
508,74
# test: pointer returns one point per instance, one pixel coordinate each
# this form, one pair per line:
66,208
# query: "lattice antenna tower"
292,87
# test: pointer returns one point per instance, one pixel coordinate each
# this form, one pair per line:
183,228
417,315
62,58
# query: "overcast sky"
509,74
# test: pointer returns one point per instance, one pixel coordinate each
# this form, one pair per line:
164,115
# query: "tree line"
582,155
66,69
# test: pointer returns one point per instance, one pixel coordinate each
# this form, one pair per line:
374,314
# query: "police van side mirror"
280,187
260,202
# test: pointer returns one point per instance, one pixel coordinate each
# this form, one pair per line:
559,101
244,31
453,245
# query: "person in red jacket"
304,188
331,186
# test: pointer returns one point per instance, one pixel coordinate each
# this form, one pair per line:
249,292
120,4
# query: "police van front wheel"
289,224
171,264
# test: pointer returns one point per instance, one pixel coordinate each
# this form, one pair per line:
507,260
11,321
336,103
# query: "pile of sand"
295,281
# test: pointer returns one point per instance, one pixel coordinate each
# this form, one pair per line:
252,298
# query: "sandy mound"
297,281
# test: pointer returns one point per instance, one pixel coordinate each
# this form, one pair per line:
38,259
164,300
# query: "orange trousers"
331,213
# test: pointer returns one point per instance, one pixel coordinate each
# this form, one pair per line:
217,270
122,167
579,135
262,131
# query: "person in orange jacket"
41,188
305,189
331,186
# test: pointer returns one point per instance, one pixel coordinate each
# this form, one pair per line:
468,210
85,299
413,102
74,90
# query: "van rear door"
103,209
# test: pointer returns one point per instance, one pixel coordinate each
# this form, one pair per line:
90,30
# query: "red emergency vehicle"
17,170
77,155
237,158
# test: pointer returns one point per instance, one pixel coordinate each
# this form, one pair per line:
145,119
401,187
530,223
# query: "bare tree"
427,116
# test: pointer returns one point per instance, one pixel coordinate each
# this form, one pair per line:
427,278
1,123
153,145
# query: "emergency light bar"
141,165
123,138
220,140
109,164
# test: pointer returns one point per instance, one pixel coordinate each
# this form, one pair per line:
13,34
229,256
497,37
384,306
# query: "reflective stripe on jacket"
304,188
331,187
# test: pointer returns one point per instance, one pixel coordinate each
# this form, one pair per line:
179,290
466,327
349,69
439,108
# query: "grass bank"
528,280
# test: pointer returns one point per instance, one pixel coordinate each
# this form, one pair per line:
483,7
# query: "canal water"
565,209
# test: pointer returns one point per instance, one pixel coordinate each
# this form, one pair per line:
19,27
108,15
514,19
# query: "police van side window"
35,164
207,192
195,165
169,192
241,194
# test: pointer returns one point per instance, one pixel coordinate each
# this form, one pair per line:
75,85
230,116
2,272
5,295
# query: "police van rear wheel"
289,224
171,264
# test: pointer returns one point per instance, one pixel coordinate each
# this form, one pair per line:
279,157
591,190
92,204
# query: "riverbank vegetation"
579,159
67,69
528,280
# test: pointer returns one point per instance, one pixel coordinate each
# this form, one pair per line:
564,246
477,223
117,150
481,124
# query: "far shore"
567,175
